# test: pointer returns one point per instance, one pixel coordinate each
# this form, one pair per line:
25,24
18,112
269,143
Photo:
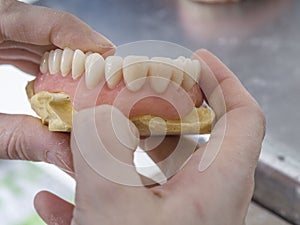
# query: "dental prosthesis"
159,95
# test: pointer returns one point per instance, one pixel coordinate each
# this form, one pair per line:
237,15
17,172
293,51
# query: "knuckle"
256,118
16,144
259,116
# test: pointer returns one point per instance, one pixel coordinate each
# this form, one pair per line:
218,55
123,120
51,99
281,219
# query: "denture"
142,88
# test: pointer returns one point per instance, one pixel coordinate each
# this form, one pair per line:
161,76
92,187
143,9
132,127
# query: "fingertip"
202,51
38,203
52,209
109,52
100,43
102,40
125,132
37,198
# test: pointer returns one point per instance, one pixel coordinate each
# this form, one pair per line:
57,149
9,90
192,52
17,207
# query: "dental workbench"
259,41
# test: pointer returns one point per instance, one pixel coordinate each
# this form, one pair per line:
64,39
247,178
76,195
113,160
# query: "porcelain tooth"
135,70
177,76
94,70
160,73
113,70
78,64
192,71
66,61
54,61
44,63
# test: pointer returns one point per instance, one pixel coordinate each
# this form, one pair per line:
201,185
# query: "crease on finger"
19,54
25,66
32,48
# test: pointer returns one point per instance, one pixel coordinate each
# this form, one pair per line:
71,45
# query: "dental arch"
182,71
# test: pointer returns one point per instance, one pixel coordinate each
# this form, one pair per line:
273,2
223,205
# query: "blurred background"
257,39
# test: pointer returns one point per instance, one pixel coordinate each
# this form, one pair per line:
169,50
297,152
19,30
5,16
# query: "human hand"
213,188
26,32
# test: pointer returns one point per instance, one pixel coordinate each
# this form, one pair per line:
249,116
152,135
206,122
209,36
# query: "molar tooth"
113,70
160,73
135,69
192,71
54,61
78,64
177,76
44,63
94,70
66,61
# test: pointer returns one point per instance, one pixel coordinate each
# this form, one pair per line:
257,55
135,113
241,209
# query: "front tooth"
192,71
135,69
177,76
113,70
44,63
94,70
160,73
78,64
66,61
54,61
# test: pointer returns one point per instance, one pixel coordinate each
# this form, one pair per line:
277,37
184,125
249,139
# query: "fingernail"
109,52
102,41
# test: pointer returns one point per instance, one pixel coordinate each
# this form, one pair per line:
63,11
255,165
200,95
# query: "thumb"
103,141
24,137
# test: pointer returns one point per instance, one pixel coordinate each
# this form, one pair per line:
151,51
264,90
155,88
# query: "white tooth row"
183,71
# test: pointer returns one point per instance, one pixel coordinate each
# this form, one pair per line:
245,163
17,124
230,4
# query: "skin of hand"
26,32
215,195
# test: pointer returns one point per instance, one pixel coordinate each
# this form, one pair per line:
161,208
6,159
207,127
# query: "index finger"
231,154
239,117
43,26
